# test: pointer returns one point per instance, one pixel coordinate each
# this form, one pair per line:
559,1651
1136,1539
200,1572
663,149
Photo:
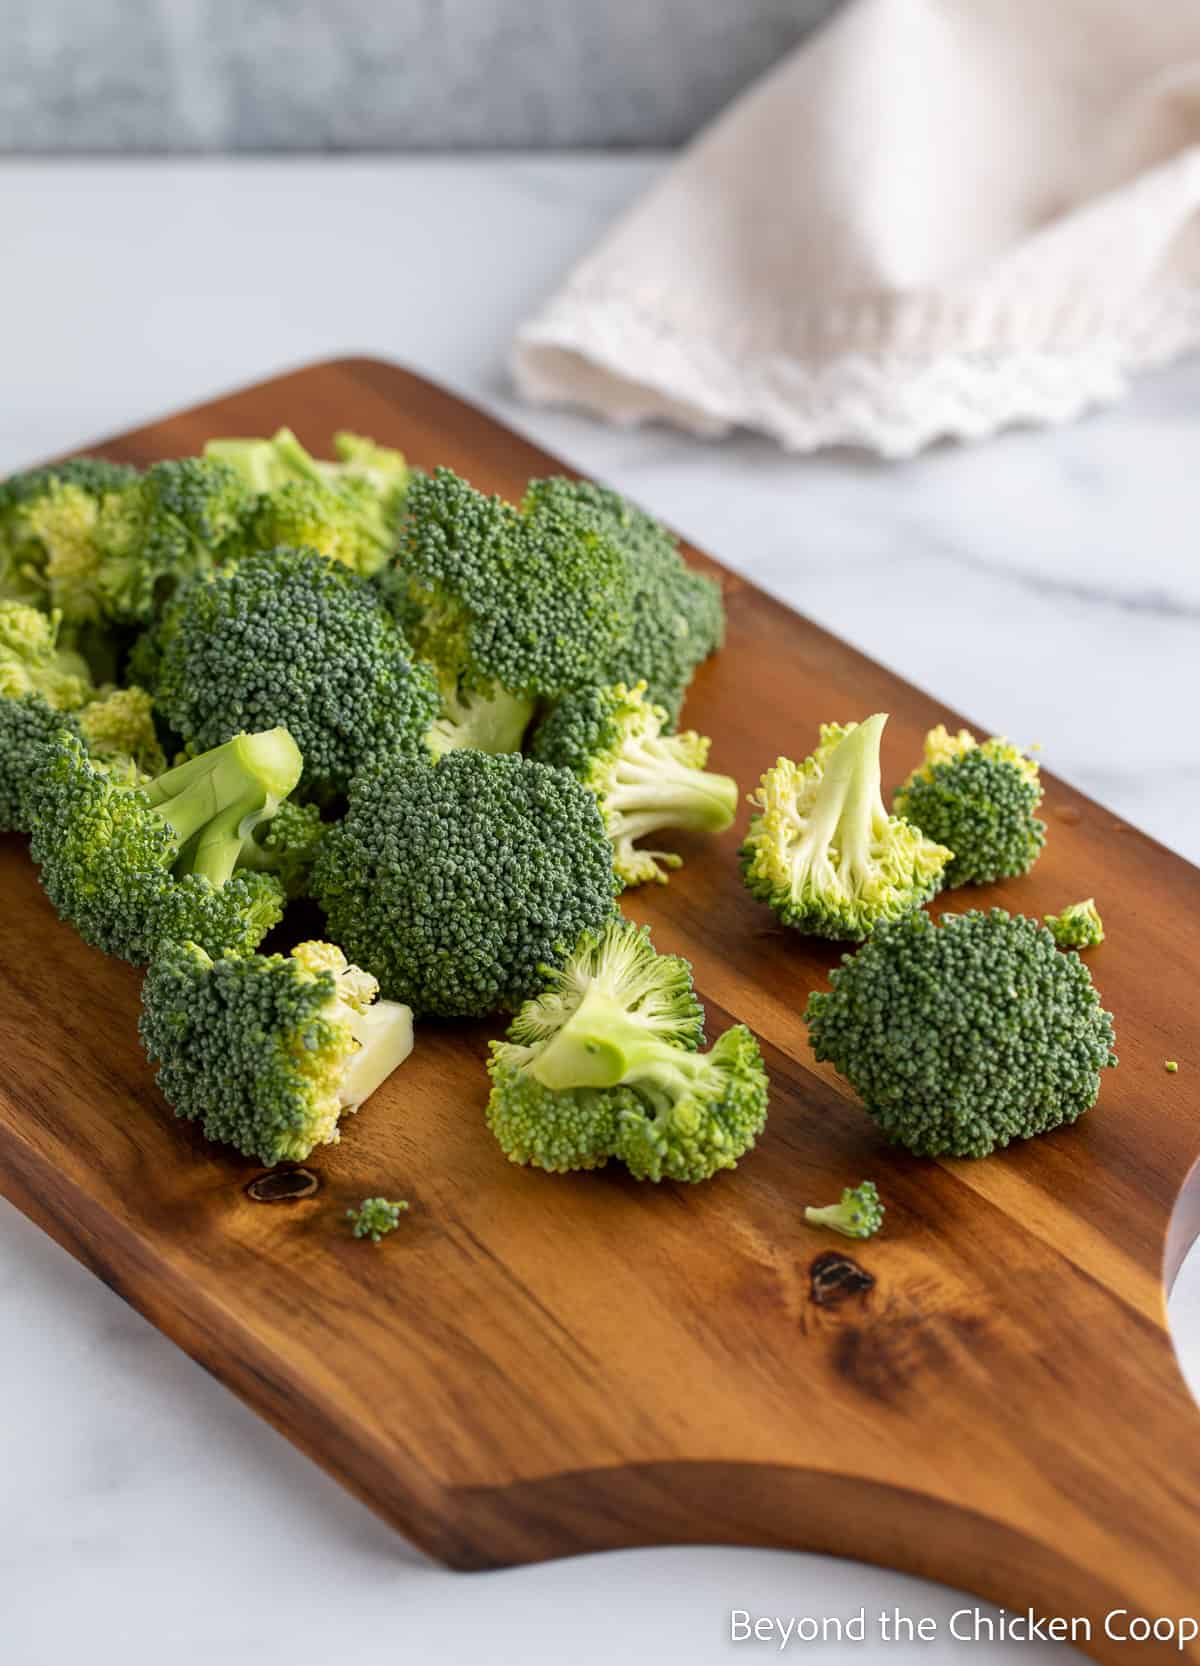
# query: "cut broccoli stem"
603,1043
213,803
384,1033
653,788
494,723
849,812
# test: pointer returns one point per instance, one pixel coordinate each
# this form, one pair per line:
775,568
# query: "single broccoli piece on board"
178,522
612,740
822,851
1079,926
132,864
961,1036
510,605
604,1063
859,1214
979,800
48,521
375,1217
454,883
268,1052
676,618
284,637
1171,1066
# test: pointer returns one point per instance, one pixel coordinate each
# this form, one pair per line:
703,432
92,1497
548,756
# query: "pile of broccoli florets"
235,683
257,678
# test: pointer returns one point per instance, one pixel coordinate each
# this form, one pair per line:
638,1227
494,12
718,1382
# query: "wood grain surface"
538,1365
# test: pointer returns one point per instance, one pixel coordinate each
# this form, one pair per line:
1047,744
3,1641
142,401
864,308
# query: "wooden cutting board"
535,1365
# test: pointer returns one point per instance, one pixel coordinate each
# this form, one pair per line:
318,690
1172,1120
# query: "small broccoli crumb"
1171,1066
375,1217
1079,926
859,1214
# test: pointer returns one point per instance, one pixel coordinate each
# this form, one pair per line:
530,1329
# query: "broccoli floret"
979,800
859,1214
27,727
612,740
133,864
962,1036
454,883
31,661
508,604
1171,1066
286,846
349,510
823,852
120,724
48,521
375,1217
178,522
604,1063
677,616
283,637
268,1052
1079,926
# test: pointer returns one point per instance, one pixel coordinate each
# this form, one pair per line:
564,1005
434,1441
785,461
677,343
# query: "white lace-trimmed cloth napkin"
937,217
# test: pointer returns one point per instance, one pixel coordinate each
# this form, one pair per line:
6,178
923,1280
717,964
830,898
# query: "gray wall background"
103,76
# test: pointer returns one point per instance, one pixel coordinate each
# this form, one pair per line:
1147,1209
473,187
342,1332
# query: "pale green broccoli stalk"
859,1214
118,724
349,510
48,523
286,846
822,851
454,883
645,781
979,800
375,1217
268,1052
179,521
676,615
494,723
604,1063
510,605
961,1036
1079,926
134,864
284,637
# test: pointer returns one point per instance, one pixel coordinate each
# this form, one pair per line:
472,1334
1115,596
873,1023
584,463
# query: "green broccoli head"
31,661
822,851
178,522
267,464
604,1063
28,726
48,522
119,724
612,740
677,616
375,1217
528,601
979,800
962,1036
1079,926
284,637
859,1213
454,883
343,522
133,864
268,1052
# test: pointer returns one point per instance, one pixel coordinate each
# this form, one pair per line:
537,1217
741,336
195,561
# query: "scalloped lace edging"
612,358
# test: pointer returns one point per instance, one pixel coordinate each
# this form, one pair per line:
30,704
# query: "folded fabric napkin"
937,217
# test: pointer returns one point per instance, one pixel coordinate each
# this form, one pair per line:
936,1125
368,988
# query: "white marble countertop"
1047,584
